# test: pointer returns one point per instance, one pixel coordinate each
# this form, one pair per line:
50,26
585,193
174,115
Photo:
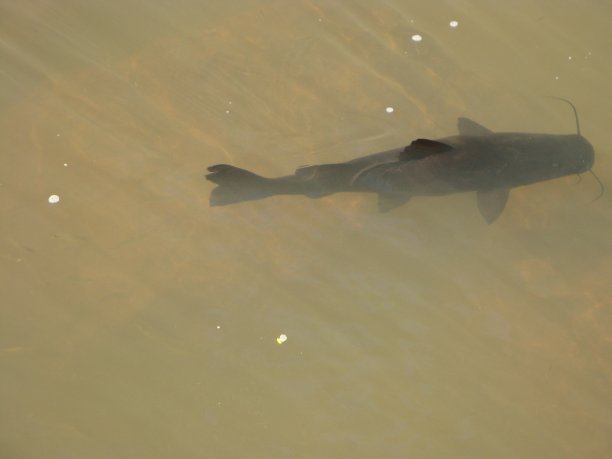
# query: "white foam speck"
53,199
453,24
389,109
281,339
416,38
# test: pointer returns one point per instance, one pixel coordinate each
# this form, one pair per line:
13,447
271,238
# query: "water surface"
138,322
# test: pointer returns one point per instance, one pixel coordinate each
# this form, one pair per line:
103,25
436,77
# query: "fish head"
575,155
542,157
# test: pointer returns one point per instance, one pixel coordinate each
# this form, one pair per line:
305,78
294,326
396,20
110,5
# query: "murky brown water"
137,322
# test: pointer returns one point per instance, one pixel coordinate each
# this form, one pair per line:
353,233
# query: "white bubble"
389,109
453,24
281,339
416,38
65,164
53,199
218,327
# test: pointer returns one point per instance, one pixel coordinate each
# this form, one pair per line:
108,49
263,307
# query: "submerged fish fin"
319,171
236,185
466,126
491,203
306,172
323,179
422,148
388,201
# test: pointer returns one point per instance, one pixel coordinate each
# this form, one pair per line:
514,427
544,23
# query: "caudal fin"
236,185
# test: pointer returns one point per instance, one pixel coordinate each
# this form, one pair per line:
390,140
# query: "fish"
477,160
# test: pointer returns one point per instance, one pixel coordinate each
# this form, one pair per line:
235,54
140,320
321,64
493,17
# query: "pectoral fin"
491,203
388,201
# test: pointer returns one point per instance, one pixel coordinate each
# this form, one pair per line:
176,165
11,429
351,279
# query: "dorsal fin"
422,148
466,126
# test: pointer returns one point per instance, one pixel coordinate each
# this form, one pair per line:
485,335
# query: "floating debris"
416,38
281,339
53,199
453,24
389,109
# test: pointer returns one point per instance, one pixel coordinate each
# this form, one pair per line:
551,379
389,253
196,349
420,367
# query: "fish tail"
236,185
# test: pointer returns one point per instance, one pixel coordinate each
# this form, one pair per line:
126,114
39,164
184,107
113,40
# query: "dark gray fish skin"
503,160
479,160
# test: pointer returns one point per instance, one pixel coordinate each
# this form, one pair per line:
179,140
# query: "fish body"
476,160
